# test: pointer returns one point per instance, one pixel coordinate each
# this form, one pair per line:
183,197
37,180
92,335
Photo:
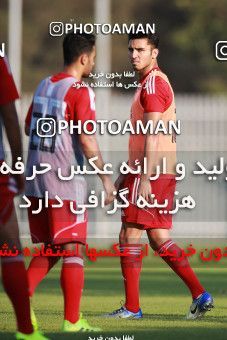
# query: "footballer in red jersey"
8,94
14,275
153,102
63,97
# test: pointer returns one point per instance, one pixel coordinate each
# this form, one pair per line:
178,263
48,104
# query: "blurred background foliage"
188,32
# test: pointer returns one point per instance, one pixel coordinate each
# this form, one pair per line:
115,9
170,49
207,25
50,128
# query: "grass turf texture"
164,301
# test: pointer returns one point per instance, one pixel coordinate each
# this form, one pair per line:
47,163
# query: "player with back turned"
153,101
57,98
14,276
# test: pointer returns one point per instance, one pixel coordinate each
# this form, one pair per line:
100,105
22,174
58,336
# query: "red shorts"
163,188
8,190
56,225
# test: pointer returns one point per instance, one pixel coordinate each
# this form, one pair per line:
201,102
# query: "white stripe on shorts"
133,189
136,193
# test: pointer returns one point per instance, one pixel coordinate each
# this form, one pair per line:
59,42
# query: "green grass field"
164,301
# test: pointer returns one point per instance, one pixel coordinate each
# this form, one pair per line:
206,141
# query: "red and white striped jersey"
56,98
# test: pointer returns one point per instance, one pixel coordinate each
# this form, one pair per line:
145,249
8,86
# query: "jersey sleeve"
8,91
84,107
156,95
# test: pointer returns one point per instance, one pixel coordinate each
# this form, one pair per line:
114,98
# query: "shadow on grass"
166,317
153,283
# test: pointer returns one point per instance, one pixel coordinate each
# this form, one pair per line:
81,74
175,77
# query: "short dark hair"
153,39
76,44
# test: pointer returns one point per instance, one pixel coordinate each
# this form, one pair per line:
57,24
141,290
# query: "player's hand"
145,190
109,189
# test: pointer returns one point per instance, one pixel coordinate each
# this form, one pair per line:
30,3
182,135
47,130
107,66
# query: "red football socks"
131,267
14,279
72,283
180,265
38,269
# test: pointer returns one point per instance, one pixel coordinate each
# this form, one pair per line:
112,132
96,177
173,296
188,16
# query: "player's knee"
129,239
126,238
158,237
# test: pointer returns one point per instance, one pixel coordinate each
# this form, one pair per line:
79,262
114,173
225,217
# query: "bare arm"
11,123
91,149
150,152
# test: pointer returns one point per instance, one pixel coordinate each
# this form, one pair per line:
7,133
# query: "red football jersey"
154,95
58,98
80,102
8,92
